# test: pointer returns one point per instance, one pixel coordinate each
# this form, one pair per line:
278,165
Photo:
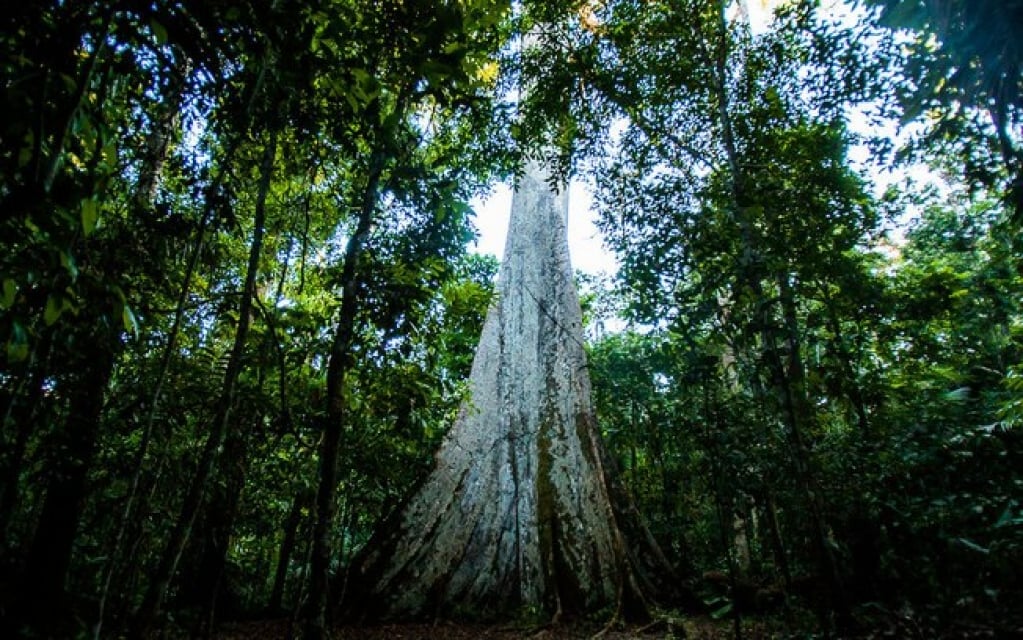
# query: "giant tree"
522,513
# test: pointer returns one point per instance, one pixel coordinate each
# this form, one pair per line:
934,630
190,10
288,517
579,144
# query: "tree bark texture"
519,515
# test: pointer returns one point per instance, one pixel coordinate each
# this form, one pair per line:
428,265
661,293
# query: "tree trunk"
219,517
145,195
300,501
150,609
850,384
44,601
790,382
519,514
337,406
787,378
20,413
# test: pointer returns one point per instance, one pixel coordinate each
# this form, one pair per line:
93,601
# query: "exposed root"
656,625
557,616
611,624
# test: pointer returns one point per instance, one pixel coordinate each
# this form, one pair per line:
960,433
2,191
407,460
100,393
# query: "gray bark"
518,515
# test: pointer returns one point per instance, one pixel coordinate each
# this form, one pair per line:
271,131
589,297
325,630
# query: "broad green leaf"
131,324
159,31
722,611
54,307
90,216
17,344
9,292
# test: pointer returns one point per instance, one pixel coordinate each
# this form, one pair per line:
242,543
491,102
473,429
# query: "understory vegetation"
238,304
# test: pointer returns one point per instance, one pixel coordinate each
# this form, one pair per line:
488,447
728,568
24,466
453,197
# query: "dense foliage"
237,308
818,404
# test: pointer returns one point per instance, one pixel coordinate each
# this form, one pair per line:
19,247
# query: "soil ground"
692,629
697,628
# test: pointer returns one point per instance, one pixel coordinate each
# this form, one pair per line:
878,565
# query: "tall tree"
520,513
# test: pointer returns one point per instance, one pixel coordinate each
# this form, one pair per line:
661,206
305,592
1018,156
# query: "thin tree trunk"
67,118
800,414
294,519
317,624
158,142
20,413
147,433
850,384
218,526
863,530
1012,158
151,607
219,519
781,557
794,411
722,507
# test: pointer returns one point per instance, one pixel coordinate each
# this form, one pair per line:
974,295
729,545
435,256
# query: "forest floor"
694,628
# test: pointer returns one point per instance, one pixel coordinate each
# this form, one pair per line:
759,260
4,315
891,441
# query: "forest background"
238,310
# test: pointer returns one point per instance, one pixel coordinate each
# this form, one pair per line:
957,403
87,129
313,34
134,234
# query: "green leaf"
958,395
17,344
54,307
90,216
453,47
109,154
973,546
159,31
68,262
9,292
1007,518
69,82
722,611
131,324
